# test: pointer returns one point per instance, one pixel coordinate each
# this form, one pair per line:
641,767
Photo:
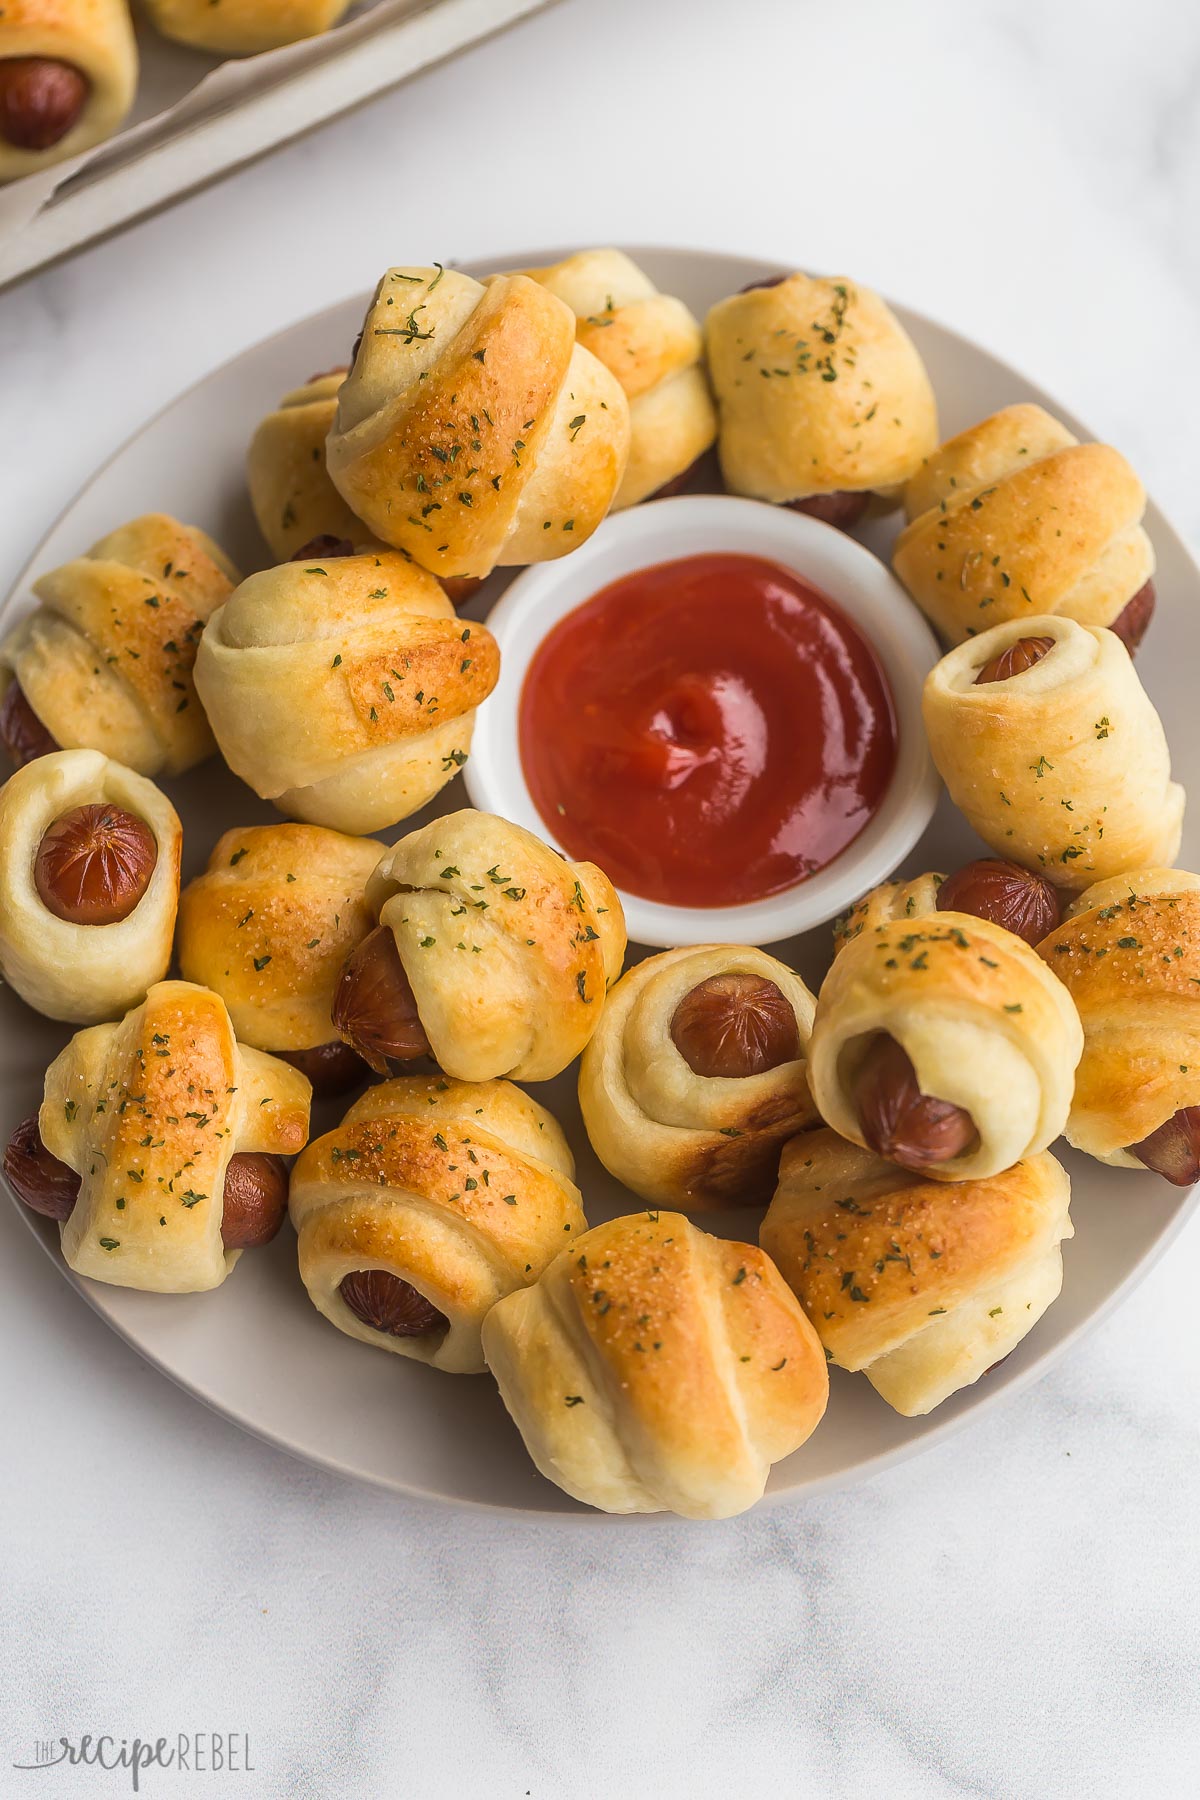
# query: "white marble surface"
1012,1614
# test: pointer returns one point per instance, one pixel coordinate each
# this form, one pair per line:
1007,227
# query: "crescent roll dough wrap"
671,1134
344,689
462,1191
654,347
922,1285
890,903
293,498
472,429
985,1025
243,27
654,1368
1129,954
92,37
1063,767
508,948
82,973
819,390
270,923
106,659
1015,516
148,1113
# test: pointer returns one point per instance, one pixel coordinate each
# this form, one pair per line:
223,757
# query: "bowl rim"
852,577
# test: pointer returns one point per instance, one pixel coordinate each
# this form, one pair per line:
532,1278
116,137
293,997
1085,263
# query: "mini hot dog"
1014,659
105,659
374,1007
922,1285
1129,953
1015,517
158,1145
898,1121
68,69
94,864
1015,898
697,1075
492,954
989,888
942,1042
89,884
268,926
429,1202
733,1026
1053,751
40,100
842,508
23,737
384,1302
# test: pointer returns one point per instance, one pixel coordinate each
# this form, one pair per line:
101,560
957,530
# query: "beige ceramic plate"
255,1349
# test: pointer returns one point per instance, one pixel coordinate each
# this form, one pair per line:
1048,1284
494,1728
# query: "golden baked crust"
270,923
148,1113
462,1189
985,1024
95,37
892,902
1129,954
472,429
670,1135
106,659
655,348
1015,517
653,1367
819,390
243,27
1132,883
924,1285
509,949
1000,445
1063,768
293,498
82,973
344,689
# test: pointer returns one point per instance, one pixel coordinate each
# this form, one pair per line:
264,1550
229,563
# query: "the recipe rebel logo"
194,1753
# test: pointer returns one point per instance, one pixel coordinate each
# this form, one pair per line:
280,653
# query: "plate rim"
579,1512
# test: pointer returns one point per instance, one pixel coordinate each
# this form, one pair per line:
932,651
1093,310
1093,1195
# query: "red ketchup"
710,731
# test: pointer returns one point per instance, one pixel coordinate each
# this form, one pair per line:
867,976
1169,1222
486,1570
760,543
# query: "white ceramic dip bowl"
697,525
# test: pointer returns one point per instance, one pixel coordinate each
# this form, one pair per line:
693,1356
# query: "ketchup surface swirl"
710,731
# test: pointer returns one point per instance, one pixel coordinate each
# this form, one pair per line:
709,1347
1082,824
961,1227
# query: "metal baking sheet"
198,118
